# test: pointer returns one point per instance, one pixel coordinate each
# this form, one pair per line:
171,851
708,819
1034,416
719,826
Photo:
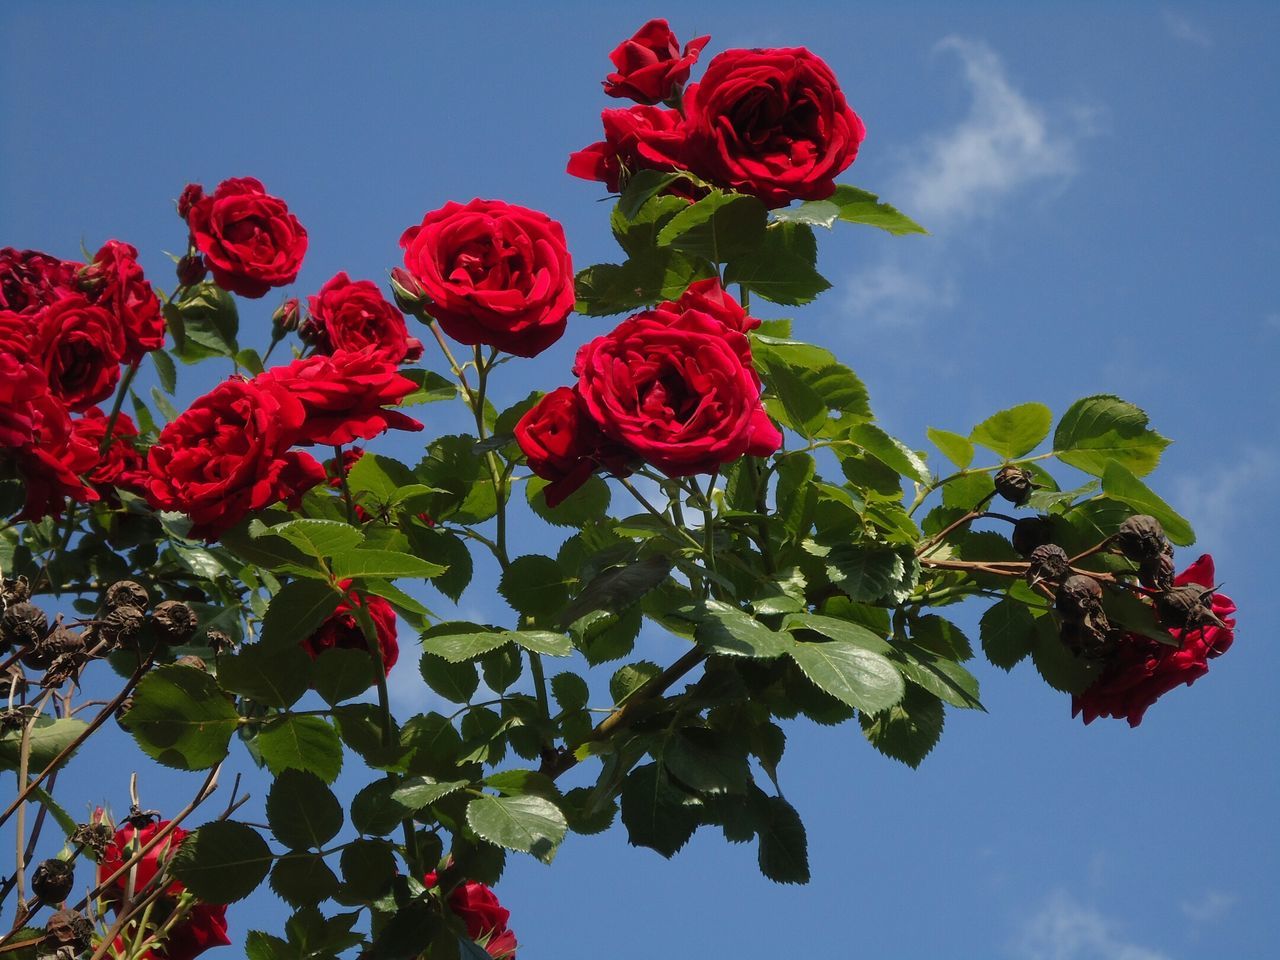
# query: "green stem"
340,467
927,489
130,372
677,531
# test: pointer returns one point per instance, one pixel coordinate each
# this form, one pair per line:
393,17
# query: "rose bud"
53,881
23,624
191,270
1031,532
192,194
650,67
408,293
1048,562
287,318
1014,484
1079,596
127,593
1141,538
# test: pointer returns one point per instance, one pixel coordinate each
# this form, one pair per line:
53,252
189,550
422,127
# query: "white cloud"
1211,906
893,293
1220,498
1065,929
1182,27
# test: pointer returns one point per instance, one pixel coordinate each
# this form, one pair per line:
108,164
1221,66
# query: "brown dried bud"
53,880
175,620
122,623
1079,596
1031,532
1158,573
1141,538
23,624
127,593
1048,562
192,661
1014,484
15,717
93,836
1085,639
14,591
1189,606
67,928
62,640
219,642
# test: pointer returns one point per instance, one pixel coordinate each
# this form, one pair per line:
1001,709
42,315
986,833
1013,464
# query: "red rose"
710,297
353,314
563,444
485,917
772,123
79,345
20,383
205,924
494,274
639,138
120,465
228,455
30,279
1142,669
342,629
249,238
51,463
344,395
678,389
650,66
115,281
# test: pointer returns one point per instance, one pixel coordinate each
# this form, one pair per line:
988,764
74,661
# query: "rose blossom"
678,389
1141,670
772,123
639,138
79,346
709,296
30,279
563,444
493,273
341,630
485,917
343,396
353,314
249,238
51,464
115,281
650,67
228,455
120,465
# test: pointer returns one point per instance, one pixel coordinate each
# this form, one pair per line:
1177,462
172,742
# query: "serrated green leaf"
719,226
1008,632
368,868
303,879
180,718
316,538
859,206
303,813
628,679
222,861
641,186
382,563
455,681
530,824
459,647
297,611
618,588
1119,483
908,730
570,691
341,674
415,793
784,848
1099,429
725,629
535,586
640,232
646,278
273,676
1059,667
957,449
1016,431
587,504
301,743
655,812
707,761
48,738
863,573
851,674
166,372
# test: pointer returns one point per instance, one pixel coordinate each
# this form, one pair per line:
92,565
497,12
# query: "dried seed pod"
62,640
190,660
1158,573
1141,538
1032,532
53,880
23,624
1085,639
12,718
13,683
67,928
93,836
1014,484
127,593
175,620
1189,606
219,642
1048,562
121,623
1079,596
16,590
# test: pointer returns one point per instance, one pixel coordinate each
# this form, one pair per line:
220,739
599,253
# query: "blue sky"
1100,186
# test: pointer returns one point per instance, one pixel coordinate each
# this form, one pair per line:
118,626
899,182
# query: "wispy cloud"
1211,906
1181,27
1005,145
1222,497
1065,929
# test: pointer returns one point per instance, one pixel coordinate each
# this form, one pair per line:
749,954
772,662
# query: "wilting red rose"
51,465
772,123
228,455
79,346
709,296
205,924
353,314
485,917
115,281
120,465
249,238
493,274
1141,670
342,629
564,445
650,67
678,389
30,279
344,396
639,138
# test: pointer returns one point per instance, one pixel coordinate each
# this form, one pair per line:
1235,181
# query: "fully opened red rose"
485,917
641,138
53,462
228,455
342,630
674,388
650,68
249,238
120,465
115,282
494,274
564,445
709,296
79,346
1142,669
353,314
30,279
772,123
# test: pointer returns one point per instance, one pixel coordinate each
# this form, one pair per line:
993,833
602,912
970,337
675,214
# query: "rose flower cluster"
770,123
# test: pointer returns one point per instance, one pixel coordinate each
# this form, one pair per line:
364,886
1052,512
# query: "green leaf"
957,449
180,718
618,588
719,227
407,933
640,232
166,372
316,538
431,387
1008,633
815,213
378,479
222,862
530,824
382,563
273,676
890,451
341,674
272,553
1016,431
706,761
725,629
297,611
655,811
368,867
587,504
784,848
535,586
303,812
626,680
570,691
66,822
250,359
1126,610
459,647
1119,483
301,743
167,409
204,323
859,206
780,269
641,186
1103,428
48,738
375,811
1059,667
447,549
908,730
263,946
544,642
863,573
456,682
851,674
646,278
303,879
417,793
